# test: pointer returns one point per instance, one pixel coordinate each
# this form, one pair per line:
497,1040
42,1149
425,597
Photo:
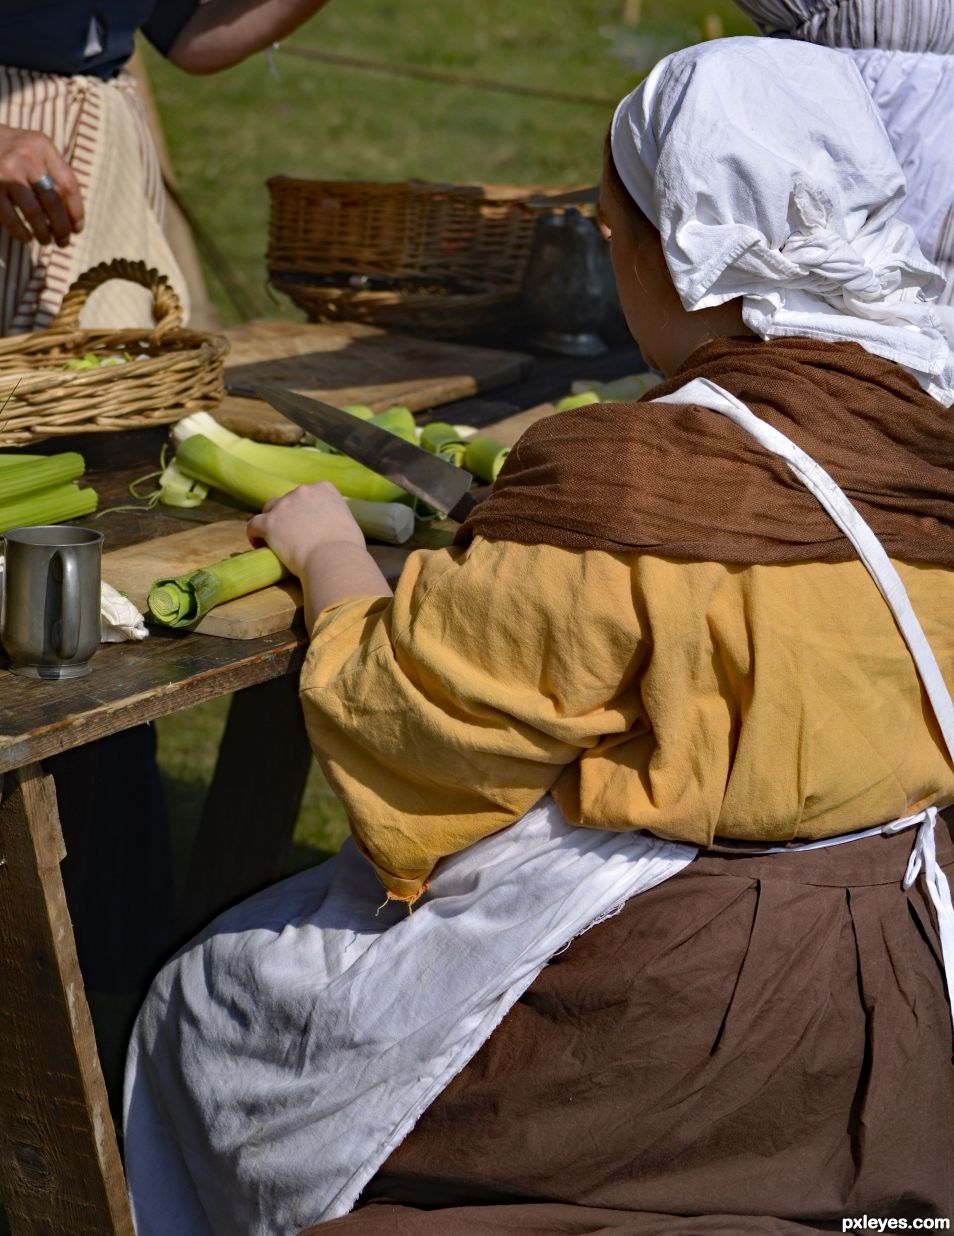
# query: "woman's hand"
39,194
315,535
295,525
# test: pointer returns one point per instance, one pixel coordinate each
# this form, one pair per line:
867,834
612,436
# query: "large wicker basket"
432,259
173,371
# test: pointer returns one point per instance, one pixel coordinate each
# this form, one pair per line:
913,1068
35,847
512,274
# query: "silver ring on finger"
45,184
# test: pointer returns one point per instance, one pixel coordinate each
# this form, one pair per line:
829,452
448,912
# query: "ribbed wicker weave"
434,259
174,371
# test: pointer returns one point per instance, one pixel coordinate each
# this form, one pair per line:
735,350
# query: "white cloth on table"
766,169
292,1046
119,619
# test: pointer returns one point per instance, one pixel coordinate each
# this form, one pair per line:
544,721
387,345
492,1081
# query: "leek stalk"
443,439
484,458
301,464
204,461
183,600
48,506
36,474
177,489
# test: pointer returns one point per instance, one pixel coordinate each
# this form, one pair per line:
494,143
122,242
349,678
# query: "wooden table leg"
60,1170
252,804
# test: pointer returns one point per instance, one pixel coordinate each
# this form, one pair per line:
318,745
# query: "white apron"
292,1046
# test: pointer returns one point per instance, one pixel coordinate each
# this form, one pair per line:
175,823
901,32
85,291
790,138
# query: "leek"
205,461
484,458
582,399
183,600
47,506
301,464
442,439
398,421
36,474
177,489
622,390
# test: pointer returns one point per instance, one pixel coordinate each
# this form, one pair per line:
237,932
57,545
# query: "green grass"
228,133
188,746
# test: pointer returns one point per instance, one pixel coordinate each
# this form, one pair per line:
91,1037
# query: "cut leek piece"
397,420
620,390
183,600
37,474
443,439
202,459
581,399
48,506
304,465
177,489
484,457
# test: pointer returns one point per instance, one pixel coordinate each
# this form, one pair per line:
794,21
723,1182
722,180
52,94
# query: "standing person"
80,181
666,655
904,50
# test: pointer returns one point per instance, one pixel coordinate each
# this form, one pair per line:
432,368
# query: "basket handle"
166,304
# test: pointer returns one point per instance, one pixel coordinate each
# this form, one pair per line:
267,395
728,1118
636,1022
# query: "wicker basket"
434,259
175,372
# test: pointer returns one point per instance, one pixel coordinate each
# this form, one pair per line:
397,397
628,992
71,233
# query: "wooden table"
60,1169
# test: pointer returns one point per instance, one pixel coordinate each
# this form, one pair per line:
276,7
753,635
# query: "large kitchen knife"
435,481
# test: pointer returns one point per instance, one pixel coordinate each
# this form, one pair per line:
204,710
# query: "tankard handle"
69,605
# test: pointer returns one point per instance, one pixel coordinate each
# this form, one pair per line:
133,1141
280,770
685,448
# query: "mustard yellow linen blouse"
695,700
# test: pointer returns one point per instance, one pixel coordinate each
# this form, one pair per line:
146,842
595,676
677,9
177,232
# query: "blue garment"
57,36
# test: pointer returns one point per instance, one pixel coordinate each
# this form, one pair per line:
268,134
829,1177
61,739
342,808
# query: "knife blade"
435,481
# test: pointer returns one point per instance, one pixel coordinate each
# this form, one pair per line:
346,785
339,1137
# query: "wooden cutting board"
352,363
135,569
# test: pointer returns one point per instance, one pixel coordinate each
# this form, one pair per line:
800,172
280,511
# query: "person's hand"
303,521
39,194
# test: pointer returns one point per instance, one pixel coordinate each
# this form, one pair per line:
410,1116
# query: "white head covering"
764,166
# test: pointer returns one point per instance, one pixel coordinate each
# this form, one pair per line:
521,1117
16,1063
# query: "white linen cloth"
765,168
914,94
904,50
119,619
284,1054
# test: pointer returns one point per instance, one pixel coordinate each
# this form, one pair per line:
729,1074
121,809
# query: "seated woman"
665,672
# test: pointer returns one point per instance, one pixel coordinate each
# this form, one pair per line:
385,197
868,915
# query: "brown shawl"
682,481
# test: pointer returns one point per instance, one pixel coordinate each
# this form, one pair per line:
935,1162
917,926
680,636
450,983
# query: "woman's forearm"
335,571
222,32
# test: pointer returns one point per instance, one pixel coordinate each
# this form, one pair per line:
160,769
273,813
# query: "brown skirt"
758,1045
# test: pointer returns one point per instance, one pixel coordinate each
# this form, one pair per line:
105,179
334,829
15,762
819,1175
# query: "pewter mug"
568,285
49,621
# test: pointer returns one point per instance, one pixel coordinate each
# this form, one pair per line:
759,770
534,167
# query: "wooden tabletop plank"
131,683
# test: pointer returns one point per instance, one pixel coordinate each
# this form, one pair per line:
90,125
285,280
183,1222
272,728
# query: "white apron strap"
816,480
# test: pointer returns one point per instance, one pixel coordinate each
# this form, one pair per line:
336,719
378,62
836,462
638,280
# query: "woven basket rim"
181,372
